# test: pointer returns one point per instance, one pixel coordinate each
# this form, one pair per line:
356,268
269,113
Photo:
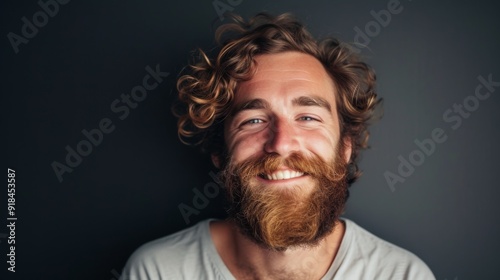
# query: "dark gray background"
127,191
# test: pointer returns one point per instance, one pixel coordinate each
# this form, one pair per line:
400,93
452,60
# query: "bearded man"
284,117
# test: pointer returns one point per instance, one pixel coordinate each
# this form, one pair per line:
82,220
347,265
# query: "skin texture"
288,106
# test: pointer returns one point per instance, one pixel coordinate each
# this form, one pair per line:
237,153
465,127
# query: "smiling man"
284,117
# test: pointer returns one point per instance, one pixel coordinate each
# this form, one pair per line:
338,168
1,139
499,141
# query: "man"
284,117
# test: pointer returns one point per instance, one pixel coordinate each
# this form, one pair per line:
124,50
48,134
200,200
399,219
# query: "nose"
282,138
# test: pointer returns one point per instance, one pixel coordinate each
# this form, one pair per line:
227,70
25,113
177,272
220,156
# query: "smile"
282,175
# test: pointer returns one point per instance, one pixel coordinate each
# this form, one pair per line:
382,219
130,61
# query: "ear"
347,149
215,160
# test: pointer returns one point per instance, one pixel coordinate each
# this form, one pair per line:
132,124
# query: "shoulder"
167,257
376,257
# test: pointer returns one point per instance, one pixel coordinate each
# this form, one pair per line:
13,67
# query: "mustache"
313,166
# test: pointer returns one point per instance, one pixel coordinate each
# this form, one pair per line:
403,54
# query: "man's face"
282,135
288,106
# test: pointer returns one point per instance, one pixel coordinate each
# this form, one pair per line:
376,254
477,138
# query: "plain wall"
128,189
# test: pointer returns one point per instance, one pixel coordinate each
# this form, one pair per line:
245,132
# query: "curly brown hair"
206,93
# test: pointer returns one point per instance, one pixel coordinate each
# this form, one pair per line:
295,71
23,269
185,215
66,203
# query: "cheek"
322,144
244,146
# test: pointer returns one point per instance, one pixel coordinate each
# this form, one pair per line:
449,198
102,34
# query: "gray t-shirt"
191,254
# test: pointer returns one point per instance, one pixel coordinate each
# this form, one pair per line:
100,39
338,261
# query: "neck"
247,260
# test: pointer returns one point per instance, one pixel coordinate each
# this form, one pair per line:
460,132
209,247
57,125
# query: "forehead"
284,74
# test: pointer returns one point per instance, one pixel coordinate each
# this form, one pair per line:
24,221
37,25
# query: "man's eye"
252,121
307,118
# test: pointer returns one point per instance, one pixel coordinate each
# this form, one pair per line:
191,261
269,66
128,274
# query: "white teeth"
286,174
283,175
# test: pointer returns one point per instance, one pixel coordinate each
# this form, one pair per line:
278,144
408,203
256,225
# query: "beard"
278,218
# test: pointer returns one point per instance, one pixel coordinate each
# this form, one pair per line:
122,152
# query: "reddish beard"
281,218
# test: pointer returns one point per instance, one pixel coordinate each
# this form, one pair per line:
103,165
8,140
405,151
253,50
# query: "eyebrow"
312,101
253,104
258,103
